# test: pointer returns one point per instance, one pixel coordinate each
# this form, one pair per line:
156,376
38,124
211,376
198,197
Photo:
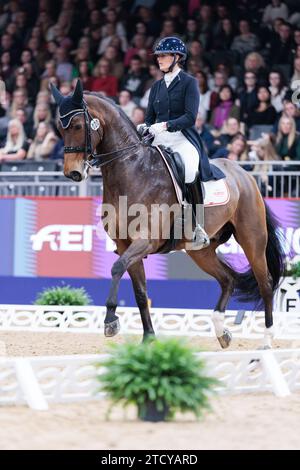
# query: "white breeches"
179,143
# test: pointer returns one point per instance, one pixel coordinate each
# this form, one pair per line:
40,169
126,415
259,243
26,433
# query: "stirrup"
200,238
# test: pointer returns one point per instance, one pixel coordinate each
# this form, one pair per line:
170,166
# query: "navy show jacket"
178,106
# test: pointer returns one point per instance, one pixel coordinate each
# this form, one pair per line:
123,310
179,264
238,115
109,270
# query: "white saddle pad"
216,192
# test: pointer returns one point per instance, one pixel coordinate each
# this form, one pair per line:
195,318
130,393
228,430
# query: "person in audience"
197,56
138,116
290,110
225,36
103,80
281,51
113,55
6,69
247,41
296,71
20,100
138,44
84,75
247,97
265,113
126,102
64,67
255,63
219,80
27,123
226,68
277,89
275,9
43,143
225,109
16,146
135,79
288,140
237,150
230,129
263,150
42,113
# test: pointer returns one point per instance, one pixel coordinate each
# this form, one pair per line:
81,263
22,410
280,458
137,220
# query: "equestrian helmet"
171,45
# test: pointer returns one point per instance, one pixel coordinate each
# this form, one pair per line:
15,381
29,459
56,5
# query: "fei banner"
61,238
64,237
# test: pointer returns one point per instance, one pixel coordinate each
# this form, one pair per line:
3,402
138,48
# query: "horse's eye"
78,127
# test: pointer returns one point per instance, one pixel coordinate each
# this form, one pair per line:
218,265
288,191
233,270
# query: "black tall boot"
200,237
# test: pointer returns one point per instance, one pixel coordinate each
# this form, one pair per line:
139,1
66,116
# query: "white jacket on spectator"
271,13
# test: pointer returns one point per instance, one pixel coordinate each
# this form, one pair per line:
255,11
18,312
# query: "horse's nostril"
75,176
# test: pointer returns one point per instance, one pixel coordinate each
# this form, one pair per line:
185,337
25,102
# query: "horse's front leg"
134,253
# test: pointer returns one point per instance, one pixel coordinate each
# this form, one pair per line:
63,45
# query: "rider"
171,115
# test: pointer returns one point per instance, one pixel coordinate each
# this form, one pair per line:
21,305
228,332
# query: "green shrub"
65,295
165,373
293,270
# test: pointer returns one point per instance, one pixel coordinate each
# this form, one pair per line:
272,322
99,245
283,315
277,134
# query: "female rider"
171,115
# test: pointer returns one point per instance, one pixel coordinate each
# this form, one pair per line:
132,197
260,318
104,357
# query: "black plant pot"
149,412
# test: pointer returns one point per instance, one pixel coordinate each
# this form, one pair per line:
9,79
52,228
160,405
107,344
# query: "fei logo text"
64,238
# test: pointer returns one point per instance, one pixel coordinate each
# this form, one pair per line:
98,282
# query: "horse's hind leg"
134,253
253,239
137,274
208,261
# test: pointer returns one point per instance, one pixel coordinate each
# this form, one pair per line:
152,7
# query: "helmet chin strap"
170,69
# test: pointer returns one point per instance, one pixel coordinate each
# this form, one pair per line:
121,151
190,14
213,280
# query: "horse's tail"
246,287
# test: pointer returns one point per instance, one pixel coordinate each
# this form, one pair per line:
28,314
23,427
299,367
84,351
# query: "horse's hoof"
225,339
112,328
149,337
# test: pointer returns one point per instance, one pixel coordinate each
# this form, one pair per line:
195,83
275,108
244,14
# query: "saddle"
177,167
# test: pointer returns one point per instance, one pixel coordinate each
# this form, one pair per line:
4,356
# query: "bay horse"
89,123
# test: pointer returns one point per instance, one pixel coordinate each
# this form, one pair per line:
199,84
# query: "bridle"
91,159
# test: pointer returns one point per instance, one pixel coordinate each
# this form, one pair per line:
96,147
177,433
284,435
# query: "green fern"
293,270
65,295
164,372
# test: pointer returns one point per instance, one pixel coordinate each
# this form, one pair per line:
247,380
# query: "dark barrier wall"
169,293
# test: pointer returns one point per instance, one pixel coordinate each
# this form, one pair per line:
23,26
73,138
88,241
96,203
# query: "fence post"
272,368
29,385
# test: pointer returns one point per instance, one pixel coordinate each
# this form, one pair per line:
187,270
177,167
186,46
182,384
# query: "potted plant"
160,377
65,295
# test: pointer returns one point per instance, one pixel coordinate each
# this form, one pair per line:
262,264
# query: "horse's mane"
117,108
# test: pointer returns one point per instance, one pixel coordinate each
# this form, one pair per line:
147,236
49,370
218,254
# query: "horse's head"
74,123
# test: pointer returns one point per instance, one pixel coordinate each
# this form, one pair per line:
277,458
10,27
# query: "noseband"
91,159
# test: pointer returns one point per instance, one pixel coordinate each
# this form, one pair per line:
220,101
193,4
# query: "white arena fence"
38,381
166,321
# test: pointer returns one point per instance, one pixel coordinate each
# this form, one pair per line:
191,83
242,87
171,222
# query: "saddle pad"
216,191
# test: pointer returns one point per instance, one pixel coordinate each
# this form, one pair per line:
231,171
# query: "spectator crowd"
244,55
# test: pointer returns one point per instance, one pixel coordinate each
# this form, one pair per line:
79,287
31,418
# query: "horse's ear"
56,94
78,93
